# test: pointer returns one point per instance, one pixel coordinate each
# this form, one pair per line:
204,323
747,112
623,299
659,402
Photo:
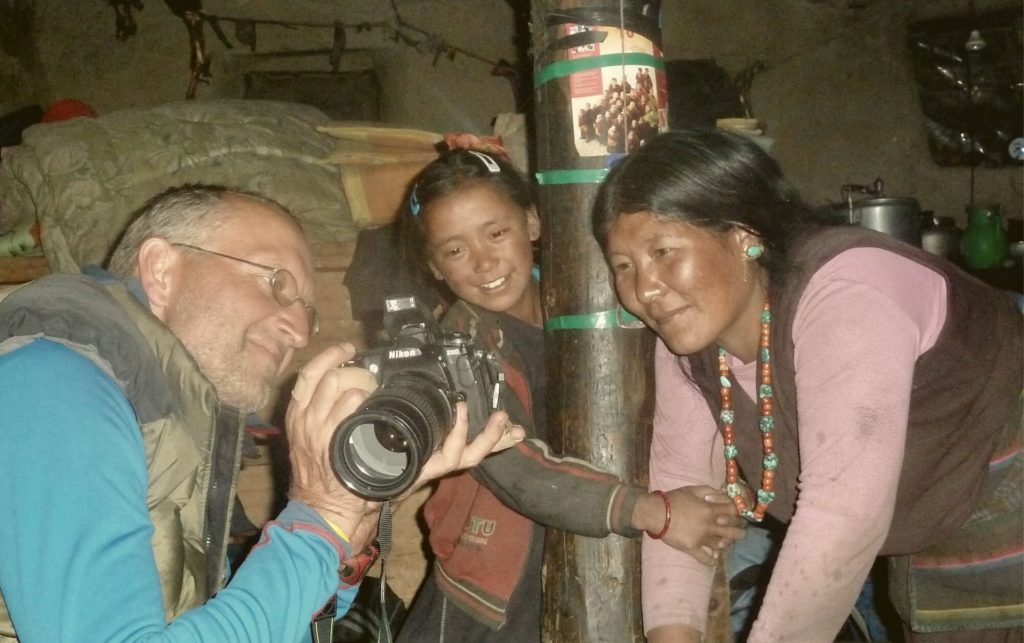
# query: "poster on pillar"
619,93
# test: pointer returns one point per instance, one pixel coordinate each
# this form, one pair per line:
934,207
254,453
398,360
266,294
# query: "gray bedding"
82,179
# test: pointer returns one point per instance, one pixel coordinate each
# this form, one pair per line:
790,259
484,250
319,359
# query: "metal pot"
899,217
940,236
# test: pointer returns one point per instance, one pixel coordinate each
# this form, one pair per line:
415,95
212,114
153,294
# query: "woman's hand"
703,523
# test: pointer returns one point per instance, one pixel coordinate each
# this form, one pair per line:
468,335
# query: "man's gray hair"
189,213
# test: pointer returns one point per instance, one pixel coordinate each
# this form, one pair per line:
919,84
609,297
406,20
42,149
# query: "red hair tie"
472,142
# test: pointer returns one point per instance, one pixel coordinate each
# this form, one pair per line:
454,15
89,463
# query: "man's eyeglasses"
283,285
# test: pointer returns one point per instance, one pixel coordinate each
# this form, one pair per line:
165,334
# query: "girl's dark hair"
452,171
707,178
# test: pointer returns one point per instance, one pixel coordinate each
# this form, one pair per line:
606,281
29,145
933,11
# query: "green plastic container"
984,242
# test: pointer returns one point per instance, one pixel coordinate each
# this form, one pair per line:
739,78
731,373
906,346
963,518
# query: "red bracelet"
668,516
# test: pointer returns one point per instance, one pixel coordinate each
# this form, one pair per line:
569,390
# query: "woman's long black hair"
708,178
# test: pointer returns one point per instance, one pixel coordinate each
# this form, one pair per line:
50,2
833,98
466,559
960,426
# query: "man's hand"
323,396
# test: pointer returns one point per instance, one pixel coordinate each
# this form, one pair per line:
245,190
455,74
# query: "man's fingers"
358,378
312,372
347,403
333,393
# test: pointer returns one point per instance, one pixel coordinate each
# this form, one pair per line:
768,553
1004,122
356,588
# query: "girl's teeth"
494,284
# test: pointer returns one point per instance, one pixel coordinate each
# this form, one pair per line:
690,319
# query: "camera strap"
384,540
322,626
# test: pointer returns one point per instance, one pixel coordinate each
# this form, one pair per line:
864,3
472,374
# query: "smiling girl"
471,224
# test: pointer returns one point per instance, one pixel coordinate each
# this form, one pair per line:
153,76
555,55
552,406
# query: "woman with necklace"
854,390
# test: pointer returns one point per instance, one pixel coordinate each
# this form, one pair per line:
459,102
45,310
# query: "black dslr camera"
379,451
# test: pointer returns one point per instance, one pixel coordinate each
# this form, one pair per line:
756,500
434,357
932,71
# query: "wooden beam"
600,379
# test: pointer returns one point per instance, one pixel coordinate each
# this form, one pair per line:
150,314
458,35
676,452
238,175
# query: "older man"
123,397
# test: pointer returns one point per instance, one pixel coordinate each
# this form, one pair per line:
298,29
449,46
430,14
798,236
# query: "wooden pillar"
599,365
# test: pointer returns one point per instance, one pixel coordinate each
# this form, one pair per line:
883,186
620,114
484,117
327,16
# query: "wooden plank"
333,256
16,270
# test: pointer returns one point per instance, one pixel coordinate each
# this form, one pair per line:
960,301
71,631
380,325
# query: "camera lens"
390,439
379,450
387,457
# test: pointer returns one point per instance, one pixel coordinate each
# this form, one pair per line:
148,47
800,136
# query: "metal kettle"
899,217
940,236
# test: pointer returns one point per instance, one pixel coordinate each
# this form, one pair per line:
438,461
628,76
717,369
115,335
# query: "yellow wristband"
338,530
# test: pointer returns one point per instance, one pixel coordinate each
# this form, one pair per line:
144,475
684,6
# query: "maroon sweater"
481,521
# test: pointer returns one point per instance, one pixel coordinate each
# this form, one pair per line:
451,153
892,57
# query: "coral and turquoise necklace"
733,484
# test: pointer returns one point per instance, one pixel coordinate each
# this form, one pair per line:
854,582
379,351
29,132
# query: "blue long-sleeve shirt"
76,559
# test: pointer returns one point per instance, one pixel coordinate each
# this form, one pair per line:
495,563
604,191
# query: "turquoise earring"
753,252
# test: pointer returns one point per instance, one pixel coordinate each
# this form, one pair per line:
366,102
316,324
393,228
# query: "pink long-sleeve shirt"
861,324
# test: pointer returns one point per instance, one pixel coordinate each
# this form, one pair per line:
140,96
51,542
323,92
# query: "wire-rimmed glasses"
283,285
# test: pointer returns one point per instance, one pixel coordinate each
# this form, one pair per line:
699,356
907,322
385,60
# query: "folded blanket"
83,179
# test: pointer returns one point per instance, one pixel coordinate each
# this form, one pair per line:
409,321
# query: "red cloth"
67,108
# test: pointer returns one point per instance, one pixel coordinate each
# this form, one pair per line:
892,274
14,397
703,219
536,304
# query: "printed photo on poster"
616,108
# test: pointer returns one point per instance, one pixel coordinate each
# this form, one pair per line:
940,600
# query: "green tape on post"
563,68
618,318
567,177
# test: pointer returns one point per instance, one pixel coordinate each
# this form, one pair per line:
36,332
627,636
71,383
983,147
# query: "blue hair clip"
414,203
